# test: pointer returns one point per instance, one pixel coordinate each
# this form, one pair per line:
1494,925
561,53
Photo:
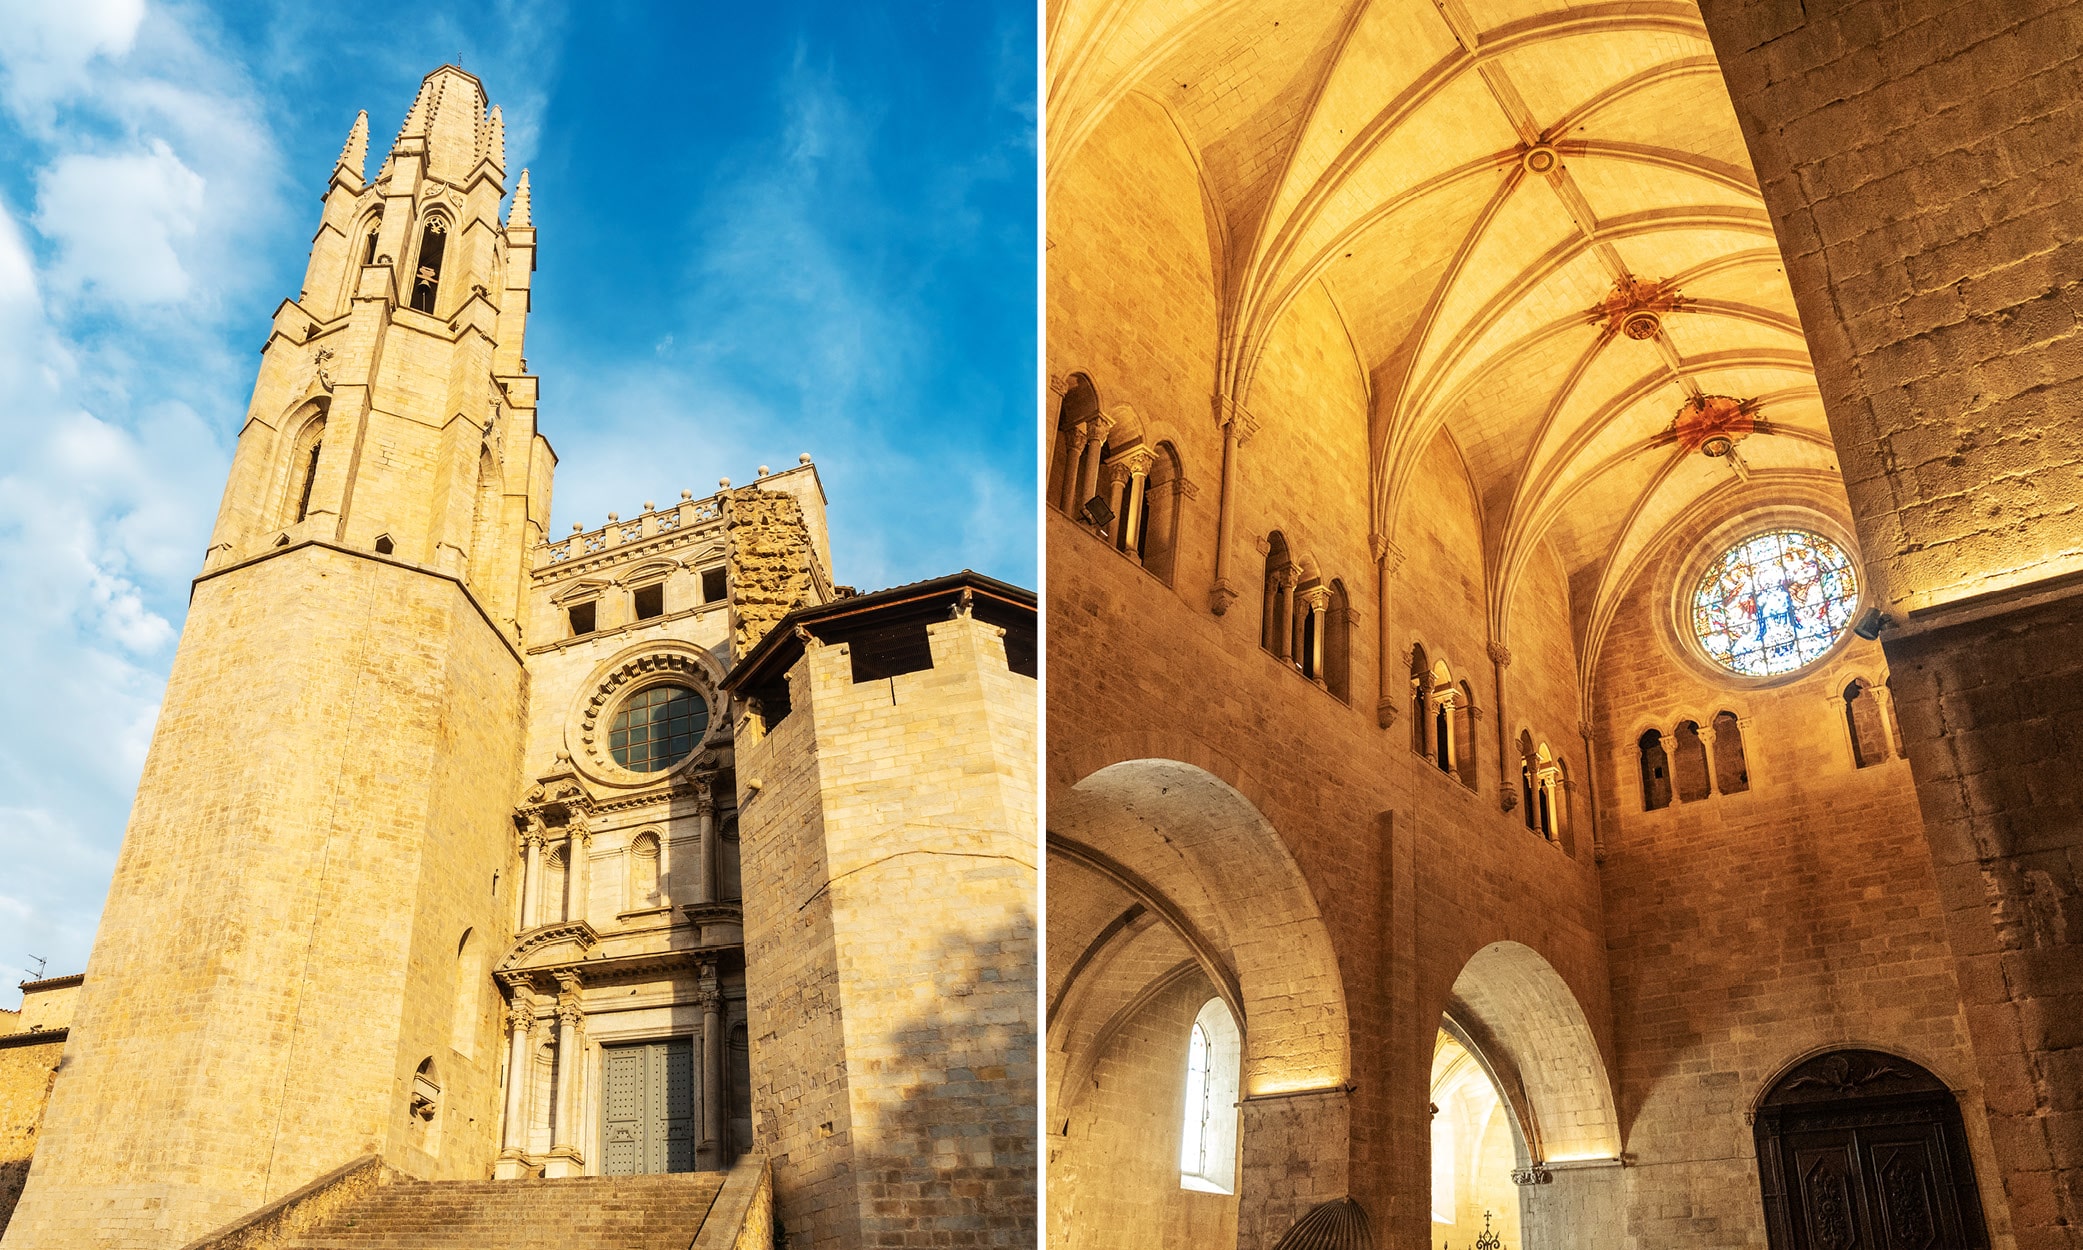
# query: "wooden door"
648,1108
1867,1154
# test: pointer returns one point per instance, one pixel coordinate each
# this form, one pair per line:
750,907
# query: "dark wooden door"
647,1108
1866,1155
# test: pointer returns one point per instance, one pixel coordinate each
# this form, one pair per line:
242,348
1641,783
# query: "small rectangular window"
581,618
650,601
712,585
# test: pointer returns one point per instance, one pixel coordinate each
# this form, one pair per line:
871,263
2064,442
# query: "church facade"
1563,561
459,858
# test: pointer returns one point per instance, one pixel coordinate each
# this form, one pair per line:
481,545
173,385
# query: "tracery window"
657,728
1774,602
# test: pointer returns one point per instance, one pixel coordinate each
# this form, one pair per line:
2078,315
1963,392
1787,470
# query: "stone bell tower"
283,978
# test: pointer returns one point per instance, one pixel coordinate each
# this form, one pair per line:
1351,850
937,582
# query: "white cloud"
119,223
50,43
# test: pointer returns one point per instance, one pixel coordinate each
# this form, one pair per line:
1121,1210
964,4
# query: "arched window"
1208,1137
1656,771
644,874
1420,700
1465,736
1276,624
1446,727
1158,536
1338,642
1731,769
426,276
470,987
303,469
1862,716
424,1102
1080,405
1443,1166
1548,792
1690,763
1528,767
375,232
484,526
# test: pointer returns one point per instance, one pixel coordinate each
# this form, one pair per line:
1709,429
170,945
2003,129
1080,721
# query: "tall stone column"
520,1023
577,867
710,996
565,1158
531,876
706,889
1508,792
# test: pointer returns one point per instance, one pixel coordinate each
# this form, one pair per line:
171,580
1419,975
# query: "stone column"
520,1022
1096,431
707,889
1136,507
565,1158
1390,679
1073,470
1707,749
1598,842
1284,611
531,875
710,996
1318,598
1237,428
1116,477
577,866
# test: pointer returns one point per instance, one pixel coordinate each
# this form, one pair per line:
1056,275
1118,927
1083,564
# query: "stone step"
578,1213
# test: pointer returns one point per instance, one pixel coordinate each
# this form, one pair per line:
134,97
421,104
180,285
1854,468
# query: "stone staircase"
579,1213
367,1205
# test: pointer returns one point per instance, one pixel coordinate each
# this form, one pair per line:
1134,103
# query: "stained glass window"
1774,602
657,728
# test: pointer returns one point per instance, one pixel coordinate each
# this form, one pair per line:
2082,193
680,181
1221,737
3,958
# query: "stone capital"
520,1014
1115,472
1220,596
1318,597
1500,655
1386,553
1386,711
1139,460
569,1014
1096,428
1235,420
1537,1174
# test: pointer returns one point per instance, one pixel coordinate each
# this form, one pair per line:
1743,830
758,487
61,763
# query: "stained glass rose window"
1774,602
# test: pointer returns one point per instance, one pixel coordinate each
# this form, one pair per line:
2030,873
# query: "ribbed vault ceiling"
1469,180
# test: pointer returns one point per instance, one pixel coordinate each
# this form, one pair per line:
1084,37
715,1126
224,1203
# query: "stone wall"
27,1068
1748,930
1919,163
896,1056
317,824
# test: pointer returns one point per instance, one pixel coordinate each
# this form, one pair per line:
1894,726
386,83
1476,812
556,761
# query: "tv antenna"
40,961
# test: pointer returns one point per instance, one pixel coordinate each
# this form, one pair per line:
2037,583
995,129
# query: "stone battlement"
650,523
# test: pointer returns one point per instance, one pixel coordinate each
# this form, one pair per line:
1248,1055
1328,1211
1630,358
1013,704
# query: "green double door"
648,1108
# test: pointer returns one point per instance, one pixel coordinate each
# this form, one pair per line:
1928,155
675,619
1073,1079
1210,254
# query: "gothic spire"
518,214
355,154
416,116
495,139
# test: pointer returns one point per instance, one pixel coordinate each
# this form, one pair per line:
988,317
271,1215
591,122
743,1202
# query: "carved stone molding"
1536,1174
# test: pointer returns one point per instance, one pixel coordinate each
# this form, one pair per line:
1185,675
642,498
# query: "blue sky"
763,230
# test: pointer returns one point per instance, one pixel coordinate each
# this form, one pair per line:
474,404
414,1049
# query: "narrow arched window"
1547,793
1157,544
1338,642
1690,764
1276,628
1526,799
369,243
1731,768
1208,1134
1465,737
1863,717
426,275
303,470
1080,405
1656,771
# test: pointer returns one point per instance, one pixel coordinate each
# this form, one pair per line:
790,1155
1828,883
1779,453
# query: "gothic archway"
1862,1150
